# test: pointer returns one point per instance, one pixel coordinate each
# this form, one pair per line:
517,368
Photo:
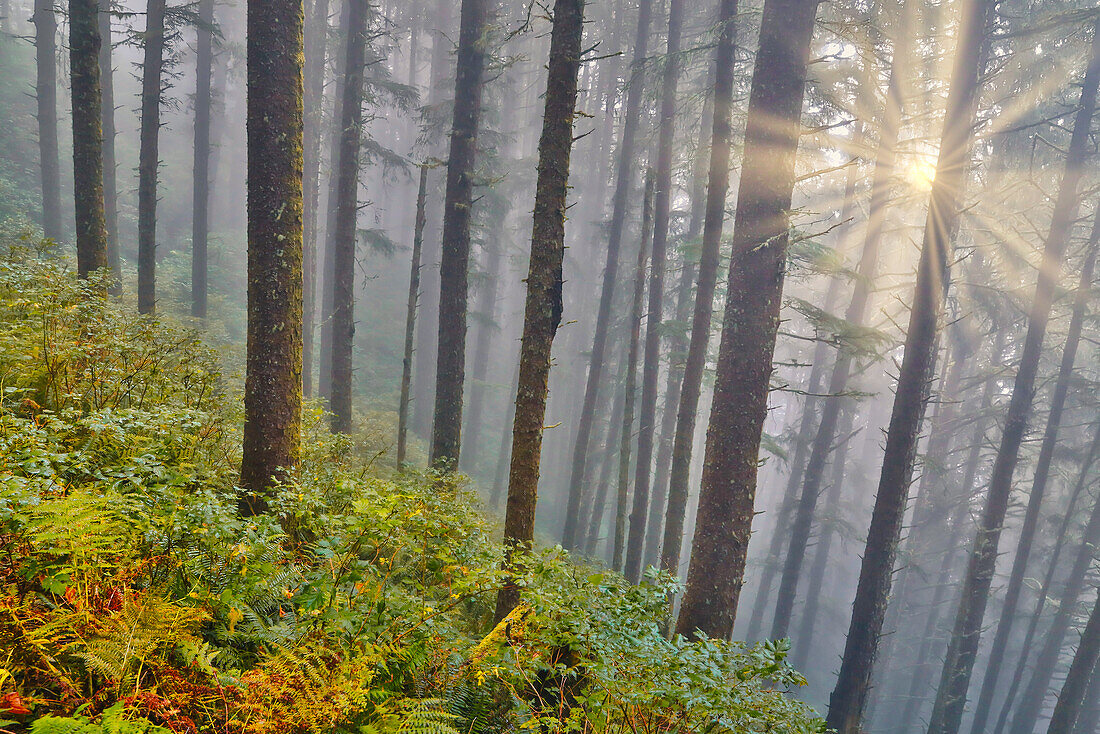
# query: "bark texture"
751,321
542,314
91,222
149,155
273,380
110,161
454,266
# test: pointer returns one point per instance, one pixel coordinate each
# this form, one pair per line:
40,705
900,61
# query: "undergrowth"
133,598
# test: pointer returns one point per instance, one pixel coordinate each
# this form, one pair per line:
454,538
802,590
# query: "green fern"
113,722
426,716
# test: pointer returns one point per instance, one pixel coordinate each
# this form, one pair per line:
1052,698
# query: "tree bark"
966,637
1038,487
847,702
91,223
410,317
200,220
624,177
273,382
450,374
626,433
651,366
542,315
761,234
110,161
713,220
45,49
149,155
482,350
347,214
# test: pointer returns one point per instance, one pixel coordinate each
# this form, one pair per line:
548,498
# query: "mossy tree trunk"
273,382
410,317
751,321
91,224
543,311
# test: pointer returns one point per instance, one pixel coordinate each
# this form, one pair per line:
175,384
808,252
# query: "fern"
113,722
426,716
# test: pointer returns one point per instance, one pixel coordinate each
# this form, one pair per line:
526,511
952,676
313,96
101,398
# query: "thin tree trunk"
1038,488
450,376
626,433
45,49
504,453
1030,703
91,224
842,369
316,58
1073,690
110,162
347,211
847,702
624,177
410,317
713,220
482,351
200,220
651,366
149,156
1088,721
761,234
966,637
680,342
603,484
273,382
542,315
1048,581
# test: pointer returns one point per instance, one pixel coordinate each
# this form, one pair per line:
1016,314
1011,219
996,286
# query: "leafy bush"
133,598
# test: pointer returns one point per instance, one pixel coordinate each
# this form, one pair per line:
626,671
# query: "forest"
551,366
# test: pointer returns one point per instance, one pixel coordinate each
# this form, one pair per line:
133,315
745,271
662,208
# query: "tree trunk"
847,702
316,58
626,433
543,311
273,382
1048,581
603,483
838,382
450,368
110,162
679,343
45,48
504,452
410,317
1030,704
91,224
713,220
651,366
1073,690
482,350
149,156
1038,487
624,177
966,637
760,237
347,214
200,221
